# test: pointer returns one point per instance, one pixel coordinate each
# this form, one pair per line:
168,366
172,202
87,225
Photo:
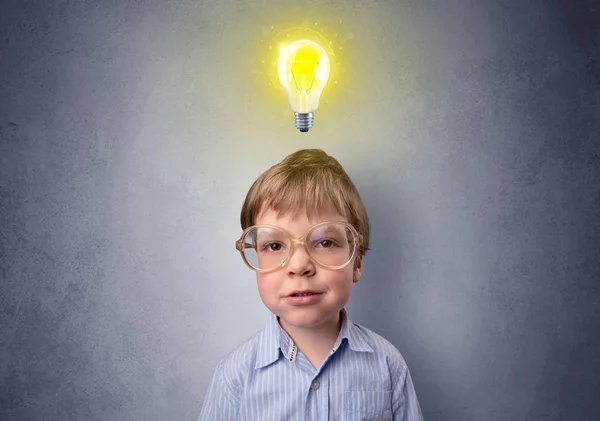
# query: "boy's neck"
315,342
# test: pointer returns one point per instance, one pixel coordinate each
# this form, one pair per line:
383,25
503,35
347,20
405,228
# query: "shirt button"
314,385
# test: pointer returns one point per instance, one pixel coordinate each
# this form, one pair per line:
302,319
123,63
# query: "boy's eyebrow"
328,229
267,232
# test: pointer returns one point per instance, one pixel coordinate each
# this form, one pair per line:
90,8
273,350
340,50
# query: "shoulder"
383,349
235,366
227,385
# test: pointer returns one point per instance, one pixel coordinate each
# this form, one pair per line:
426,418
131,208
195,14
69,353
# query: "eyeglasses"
266,248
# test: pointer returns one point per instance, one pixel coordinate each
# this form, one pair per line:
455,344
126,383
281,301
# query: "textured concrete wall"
131,131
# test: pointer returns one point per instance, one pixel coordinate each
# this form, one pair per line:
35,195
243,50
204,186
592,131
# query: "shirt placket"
316,404
317,396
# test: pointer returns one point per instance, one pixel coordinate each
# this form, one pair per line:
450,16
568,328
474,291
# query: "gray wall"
131,131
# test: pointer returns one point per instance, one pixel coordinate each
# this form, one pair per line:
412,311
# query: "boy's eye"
272,246
325,243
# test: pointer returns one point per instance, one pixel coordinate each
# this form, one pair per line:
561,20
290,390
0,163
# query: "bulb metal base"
304,121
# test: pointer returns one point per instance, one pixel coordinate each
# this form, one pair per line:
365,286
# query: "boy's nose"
300,262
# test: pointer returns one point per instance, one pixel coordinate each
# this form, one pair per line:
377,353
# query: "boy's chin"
309,321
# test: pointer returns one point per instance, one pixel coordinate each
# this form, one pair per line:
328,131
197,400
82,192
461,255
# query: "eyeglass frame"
239,245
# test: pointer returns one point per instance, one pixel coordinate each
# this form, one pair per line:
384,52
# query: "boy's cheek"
268,286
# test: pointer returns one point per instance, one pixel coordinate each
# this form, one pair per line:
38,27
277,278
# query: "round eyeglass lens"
266,247
331,244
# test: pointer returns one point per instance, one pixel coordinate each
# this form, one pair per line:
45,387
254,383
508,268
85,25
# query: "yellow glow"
303,69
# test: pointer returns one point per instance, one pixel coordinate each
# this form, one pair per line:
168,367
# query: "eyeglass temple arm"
241,245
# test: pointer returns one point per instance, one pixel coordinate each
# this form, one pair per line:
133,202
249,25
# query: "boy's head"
307,188
308,181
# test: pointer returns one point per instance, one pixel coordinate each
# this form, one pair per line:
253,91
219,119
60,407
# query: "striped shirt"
267,378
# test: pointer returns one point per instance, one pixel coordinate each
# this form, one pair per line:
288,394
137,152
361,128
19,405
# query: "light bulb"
303,70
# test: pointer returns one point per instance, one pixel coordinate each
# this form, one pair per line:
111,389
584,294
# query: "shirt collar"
275,342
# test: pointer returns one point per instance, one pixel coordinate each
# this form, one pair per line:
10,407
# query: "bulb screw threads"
304,121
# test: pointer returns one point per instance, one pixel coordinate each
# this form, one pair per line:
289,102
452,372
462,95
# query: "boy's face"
333,287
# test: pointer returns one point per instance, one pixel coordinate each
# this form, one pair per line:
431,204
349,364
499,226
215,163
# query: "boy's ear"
357,270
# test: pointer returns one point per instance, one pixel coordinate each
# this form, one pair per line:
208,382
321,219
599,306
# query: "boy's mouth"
303,293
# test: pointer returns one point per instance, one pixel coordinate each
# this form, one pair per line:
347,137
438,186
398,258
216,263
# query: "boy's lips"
303,297
303,292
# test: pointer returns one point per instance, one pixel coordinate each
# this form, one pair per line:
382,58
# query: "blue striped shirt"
267,378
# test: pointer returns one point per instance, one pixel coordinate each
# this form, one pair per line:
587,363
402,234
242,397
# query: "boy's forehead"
299,216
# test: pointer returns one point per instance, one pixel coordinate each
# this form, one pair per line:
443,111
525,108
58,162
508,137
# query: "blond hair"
308,180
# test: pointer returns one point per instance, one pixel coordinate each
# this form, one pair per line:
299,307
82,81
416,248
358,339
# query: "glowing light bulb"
303,70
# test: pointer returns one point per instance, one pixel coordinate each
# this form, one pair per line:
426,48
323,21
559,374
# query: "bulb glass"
303,69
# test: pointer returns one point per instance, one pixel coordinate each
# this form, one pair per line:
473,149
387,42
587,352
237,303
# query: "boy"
305,233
